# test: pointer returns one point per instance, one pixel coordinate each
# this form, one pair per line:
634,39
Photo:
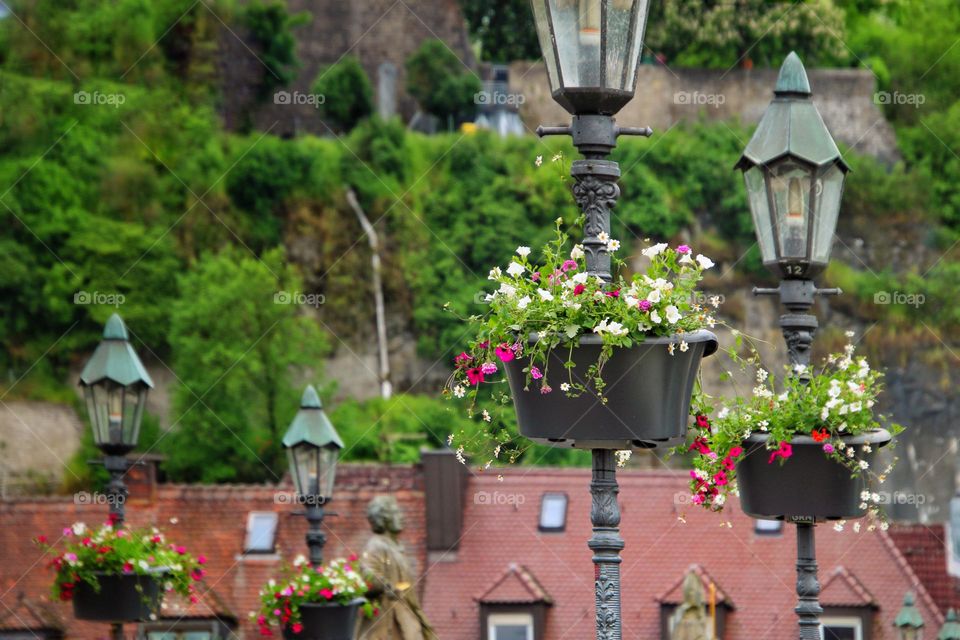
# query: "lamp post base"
808,586
606,544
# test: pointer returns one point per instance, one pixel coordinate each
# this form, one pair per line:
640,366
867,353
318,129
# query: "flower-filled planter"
119,575
810,484
314,603
804,448
647,398
590,363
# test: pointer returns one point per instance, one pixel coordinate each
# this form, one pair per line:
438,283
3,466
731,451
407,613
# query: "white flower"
684,347
671,348
515,269
849,334
603,236
564,386
613,328
459,391
494,274
79,528
864,464
580,278
538,161
623,456
545,295
523,302
763,424
655,317
715,301
655,250
613,245
838,526
654,296
824,413
486,416
299,561
630,301
686,259
761,375
799,369
704,261
144,564
673,314
523,252
577,252
507,290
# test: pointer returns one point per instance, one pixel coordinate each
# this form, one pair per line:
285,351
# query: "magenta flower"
784,452
535,373
683,249
828,448
463,358
736,451
720,479
504,352
577,290
612,294
536,276
475,376
644,305
568,265
488,368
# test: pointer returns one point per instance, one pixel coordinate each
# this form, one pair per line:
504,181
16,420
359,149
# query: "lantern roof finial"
311,424
908,616
114,359
951,627
793,77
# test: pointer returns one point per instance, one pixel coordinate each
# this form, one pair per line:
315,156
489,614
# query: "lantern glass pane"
625,22
304,463
760,209
328,470
545,36
828,192
790,187
577,29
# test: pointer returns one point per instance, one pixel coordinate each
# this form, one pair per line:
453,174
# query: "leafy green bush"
347,94
441,83
271,26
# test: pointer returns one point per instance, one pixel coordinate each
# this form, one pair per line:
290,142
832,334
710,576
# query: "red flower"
700,445
42,539
784,452
720,479
728,463
702,421
201,559
612,294
128,567
475,375
821,435
297,627
353,557
577,290
735,452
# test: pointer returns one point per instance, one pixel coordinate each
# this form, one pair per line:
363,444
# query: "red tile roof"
925,548
842,589
24,614
674,595
663,535
516,586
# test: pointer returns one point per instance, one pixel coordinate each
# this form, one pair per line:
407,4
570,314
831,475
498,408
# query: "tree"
238,339
504,28
347,94
440,82
271,27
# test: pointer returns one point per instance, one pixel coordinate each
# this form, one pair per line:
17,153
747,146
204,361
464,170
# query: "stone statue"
393,589
690,621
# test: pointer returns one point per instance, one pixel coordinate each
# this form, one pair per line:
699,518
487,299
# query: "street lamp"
794,177
909,622
592,49
951,627
313,448
115,385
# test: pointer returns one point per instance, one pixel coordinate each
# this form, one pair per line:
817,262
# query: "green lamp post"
909,622
313,448
115,386
951,627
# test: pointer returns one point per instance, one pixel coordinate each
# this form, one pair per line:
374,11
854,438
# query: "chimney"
445,481
143,477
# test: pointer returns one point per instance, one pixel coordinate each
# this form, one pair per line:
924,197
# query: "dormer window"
553,512
261,532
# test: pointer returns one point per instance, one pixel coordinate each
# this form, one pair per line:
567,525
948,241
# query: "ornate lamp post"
794,176
909,622
115,385
313,448
592,49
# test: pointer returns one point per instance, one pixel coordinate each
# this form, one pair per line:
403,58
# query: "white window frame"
247,548
512,619
845,621
553,495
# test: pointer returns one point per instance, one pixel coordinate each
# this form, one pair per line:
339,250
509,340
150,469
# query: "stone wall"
666,97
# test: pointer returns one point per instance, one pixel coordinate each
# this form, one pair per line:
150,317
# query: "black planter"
809,484
648,395
327,621
121,598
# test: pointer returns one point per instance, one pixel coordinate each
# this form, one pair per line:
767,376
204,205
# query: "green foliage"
504,29
347,94
237,342
440,82
271,26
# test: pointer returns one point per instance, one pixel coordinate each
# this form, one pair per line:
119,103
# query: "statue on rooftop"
393,590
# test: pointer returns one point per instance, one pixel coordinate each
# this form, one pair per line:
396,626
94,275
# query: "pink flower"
297,627
683,249
463,358
784,452
720,479
536,276
728,463
504,352
644,305
70,557
577,290
326,593
535,373
488,368
568,265
545,389
612,294
736,451
698,498
68,532
475,376
828,448
201,559
277,612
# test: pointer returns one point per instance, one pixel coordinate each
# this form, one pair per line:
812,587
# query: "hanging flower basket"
809,484
121,598
328,621
647,397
